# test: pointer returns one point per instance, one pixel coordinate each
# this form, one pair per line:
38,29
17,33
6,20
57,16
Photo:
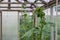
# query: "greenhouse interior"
29,19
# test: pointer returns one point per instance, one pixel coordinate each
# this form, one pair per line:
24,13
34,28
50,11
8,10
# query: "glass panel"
39,5
3,8
5,5
13,1
30,0
47,0
21,1
5,0
9,25
16,5
21,9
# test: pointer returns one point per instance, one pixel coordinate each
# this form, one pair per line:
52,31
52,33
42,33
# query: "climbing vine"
35,33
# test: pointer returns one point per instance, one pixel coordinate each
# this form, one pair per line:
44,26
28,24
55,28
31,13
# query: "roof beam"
18,10
16,7
1,0
18,3
51,3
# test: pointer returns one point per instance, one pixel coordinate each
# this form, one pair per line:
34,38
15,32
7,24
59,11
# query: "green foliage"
25,15
39,12
28,32
25,25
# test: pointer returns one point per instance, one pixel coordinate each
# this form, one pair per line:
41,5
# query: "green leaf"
28,33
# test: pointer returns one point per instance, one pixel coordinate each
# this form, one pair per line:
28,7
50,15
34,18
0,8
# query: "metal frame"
1,0
51,3
1,26
52,20
25,2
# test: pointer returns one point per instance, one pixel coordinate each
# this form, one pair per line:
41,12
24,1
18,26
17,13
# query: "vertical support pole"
56,20
34,25
35,20
9,4
18,25
0,25
52,20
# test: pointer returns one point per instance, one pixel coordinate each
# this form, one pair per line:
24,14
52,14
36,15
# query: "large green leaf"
28,33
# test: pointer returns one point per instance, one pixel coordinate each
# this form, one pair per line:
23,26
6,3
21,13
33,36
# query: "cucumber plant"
39,29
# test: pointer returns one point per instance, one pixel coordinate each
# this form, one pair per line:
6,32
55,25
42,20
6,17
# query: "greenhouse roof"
24,5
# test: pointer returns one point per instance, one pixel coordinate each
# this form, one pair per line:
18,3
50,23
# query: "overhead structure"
1,0
29,5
